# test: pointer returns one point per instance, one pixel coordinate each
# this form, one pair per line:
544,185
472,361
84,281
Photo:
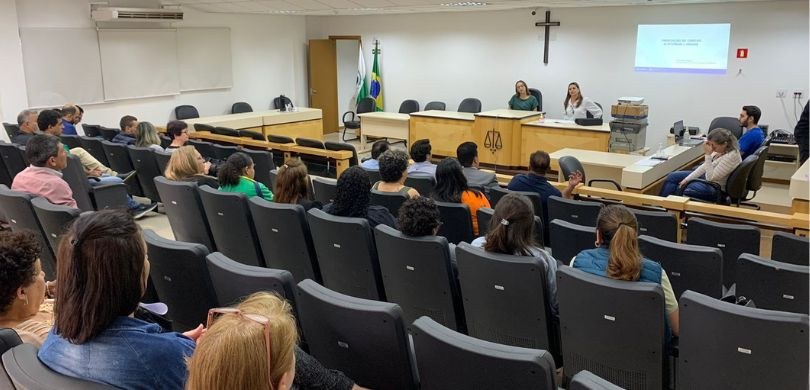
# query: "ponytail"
625,259
511,230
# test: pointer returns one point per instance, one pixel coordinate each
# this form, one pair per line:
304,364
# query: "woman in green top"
236,175
522,99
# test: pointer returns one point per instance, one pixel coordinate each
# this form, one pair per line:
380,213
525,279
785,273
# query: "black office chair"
408,106
331,145
598,314
93,146
325,189
736,185
145,163
579,212
729,123
790,248
773,285
347,255
471,105
55,220
423,184
19,213
26,371
570,164
451,360
180,277
12,129
390,200
658,224
568,239
108,133
418,275
586,380
91,130
232,225
263,164
435,106
456,222
106,196
240,107
754,182
185,211
365,339
14,158
588,113
539,96
186,112
732,240
721,343
285,238
280,102
234,281
689,267
226,131
353,122
118,157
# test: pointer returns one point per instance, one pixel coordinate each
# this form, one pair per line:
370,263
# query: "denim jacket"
129,354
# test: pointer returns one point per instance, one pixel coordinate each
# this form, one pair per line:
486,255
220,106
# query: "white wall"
449,56
268,56
346,74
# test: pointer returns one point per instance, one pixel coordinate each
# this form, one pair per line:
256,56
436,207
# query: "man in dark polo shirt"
535,181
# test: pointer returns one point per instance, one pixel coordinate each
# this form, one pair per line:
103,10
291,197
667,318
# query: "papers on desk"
649,162
559,121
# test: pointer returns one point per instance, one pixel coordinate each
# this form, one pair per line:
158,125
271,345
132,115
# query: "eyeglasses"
257,318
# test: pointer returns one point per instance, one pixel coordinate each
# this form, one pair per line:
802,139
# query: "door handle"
313,91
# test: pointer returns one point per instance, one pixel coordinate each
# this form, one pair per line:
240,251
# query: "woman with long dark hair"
451,186
353,196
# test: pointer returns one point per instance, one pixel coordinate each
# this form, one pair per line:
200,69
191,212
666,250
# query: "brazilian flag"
376,82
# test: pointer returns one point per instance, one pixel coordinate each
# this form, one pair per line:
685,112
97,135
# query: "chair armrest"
343,119
618,186
110,196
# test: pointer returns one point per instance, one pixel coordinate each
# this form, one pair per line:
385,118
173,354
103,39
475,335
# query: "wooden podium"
498,135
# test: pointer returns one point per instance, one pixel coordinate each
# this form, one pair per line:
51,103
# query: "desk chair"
240,107
471,105
278,103
570,164
437,106
366,105
408,106
755,177
736,185
589,115
539,96
186,112
729,123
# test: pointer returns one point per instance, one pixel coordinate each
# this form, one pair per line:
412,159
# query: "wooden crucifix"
547,25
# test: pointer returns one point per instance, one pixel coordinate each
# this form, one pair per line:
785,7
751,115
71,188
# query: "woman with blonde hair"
147,137
293,186
187,164
617,256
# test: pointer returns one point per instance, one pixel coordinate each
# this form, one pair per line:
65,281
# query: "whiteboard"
61,65
138,63
204,58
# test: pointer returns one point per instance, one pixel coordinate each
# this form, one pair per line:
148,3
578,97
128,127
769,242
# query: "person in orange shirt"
451,186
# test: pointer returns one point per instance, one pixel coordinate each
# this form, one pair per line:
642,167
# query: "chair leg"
344,136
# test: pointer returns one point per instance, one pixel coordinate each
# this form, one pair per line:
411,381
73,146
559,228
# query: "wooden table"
304,122
551,135
384,125
445,129
799,190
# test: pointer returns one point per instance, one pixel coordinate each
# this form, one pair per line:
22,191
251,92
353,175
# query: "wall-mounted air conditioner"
116,14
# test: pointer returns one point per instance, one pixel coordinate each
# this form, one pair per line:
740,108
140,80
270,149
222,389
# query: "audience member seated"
128,125
70,114
352,197
102,273
253,346
23,288
294,186
27,120
378,148
178,132
451,186
187,164
393,172
721,157
754,137
419,217
146,136
236,175
467,154
43,177
535,181
617,256
420,154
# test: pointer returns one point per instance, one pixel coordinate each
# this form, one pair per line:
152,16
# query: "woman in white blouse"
578,106
722,156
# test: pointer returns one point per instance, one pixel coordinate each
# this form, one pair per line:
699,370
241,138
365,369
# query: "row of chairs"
187,111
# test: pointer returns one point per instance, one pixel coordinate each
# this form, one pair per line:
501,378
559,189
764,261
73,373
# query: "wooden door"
323,90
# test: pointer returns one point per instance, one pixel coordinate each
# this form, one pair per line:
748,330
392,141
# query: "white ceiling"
368,7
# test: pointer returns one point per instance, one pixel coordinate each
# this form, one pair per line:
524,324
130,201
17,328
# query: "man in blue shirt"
753,136
535,181
420,154
69,115
128,125
378,148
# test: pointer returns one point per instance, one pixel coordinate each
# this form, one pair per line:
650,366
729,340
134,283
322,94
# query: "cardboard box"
629,110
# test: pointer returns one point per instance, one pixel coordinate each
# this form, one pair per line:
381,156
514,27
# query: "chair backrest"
74,175
689,267
423,184
263,161
505,298
205,148
347,255
366,105
226,131
472,105
729,123
732,239
185,211
232,225
240,107
568,239
331,145
365,339
118,157
234,281
658,224
203,127
70,140
580,212
586,380
597,317
721,343
55,220
280,139
5,178
144,161
180,276
93,146
588,113
285,238
539,96
451,360
755,177
13,129
325,189
91,130
419,276
456,222
162,159
389,200
438,106
222,152
408,106
569,165
108,133
310,143
8,339
278,103
19,214
790,248
737,182
27,372
773,285
251,134
186,112
13,158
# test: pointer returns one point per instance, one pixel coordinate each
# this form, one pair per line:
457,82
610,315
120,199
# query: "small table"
384,125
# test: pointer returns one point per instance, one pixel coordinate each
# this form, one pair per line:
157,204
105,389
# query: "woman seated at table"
451,186
617,256
102,272
523,99
187,164
578,106
293,185
393,172
147,137
236,175
23,288
352,197
721,157
178,132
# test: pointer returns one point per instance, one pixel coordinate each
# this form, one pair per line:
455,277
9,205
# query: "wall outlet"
780,93
797,94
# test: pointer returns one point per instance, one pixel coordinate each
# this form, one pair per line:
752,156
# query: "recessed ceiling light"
465,4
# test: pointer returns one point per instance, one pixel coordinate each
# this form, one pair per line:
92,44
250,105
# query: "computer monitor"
678,129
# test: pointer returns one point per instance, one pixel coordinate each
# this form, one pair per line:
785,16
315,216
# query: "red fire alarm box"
742,53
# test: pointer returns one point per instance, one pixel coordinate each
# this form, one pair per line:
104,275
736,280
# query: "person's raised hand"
195,333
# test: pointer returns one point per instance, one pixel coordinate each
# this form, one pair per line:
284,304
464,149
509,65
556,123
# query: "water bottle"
660,152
